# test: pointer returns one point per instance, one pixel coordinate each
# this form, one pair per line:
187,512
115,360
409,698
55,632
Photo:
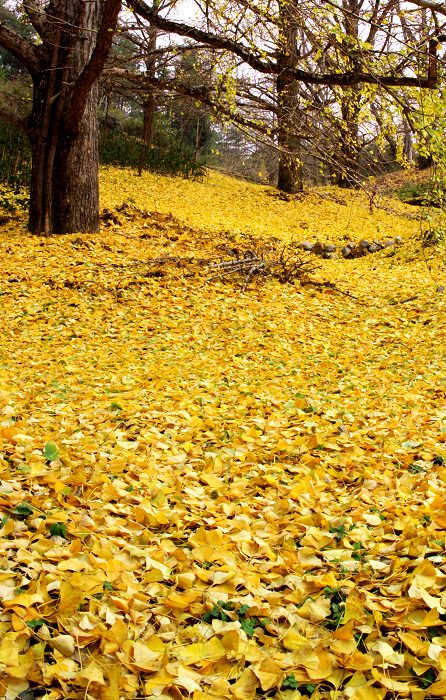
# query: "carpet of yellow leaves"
214,495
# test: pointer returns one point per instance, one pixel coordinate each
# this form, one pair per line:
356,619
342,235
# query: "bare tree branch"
200,93
270,66
37,17
430,5
208,38
20,48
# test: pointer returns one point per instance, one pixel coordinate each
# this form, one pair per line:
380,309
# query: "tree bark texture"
290,165
75,40
64,181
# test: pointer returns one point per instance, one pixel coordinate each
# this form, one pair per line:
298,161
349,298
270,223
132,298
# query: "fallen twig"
403,301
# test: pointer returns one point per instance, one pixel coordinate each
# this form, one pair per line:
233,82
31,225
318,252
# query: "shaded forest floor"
215,494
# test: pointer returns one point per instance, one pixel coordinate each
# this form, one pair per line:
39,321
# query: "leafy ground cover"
207,494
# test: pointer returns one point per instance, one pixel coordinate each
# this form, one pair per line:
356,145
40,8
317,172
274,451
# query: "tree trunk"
149,103
290,164
348,174
349,149
64,194
147,129
407,142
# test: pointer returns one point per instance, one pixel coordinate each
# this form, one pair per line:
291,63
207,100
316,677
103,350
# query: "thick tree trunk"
289,177
64,194
348,174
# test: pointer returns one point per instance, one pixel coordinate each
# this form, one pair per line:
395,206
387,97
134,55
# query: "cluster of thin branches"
259,260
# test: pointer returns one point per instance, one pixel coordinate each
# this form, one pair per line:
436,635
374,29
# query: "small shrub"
337,607
15,156
118,148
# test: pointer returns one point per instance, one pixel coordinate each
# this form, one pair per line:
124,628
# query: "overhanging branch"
20,48
271,66
202,94
430,5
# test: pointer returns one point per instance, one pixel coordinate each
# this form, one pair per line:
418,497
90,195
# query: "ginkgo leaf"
51,451
201,651
144,658
64,643
92,673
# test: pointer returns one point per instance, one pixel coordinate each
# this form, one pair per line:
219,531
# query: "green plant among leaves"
337,607
36,623
290,682
206,565
427,678
358,551
23,510
416,468
219,612
51,451
339,531
247,623
59,530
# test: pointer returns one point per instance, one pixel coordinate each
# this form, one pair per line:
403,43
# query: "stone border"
350,250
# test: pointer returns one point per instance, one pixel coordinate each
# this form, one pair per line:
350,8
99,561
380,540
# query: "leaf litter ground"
207,494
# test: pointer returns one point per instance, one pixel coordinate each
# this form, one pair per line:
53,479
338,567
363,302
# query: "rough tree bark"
290,165
76,38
